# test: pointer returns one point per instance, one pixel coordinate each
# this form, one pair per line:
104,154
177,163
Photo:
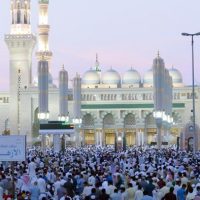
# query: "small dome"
176,76
91,77
148,77
131,77
111,77
35,81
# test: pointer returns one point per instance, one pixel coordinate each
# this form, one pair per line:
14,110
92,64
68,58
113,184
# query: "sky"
124,33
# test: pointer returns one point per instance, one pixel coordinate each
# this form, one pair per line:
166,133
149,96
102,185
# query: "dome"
111,77
148,77
131,77
176,76
35,81
91,77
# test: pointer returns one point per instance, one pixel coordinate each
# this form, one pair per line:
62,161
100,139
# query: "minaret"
21,43
20,13
77,96
43,72
97,65
77,108
63,95
63,106
44,56
43,32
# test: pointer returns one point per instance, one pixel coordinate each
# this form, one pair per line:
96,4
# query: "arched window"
108,120
25,18
18,16
13,17
88,120
129,120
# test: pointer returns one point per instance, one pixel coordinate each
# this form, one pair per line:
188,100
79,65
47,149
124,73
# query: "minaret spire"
44,57
158,54
20,14
43,29
97,67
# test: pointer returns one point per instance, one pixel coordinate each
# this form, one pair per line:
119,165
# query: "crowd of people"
100,173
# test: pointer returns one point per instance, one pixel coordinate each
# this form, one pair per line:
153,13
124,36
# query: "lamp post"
18,100
193,92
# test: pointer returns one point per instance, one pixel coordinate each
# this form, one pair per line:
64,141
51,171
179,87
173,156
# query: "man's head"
171,189
184,186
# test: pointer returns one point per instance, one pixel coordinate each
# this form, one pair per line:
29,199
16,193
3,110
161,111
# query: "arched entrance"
189,139
190,142
89,132
109,130
129,128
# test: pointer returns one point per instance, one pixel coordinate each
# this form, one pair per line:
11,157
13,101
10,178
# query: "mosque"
111,103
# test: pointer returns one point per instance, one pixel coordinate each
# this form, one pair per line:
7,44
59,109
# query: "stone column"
159,125
124,142
83,137
159,136
168,135
43,142
56,143
144,124
101,137
183,141
142,139
96,137
137,137
116,141
77,136
165,134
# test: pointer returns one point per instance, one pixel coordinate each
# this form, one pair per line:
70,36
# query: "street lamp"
193,92
18,100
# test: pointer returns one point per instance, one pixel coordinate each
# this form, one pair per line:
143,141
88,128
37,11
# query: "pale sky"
124,33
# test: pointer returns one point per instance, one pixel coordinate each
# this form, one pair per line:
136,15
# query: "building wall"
100,102
4,109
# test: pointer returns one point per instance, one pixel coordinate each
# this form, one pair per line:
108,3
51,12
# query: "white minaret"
44,56
43,32
21,43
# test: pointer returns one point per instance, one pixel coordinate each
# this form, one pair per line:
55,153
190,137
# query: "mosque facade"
111,103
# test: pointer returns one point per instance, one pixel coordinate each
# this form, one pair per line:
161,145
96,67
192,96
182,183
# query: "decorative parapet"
126,106
19,36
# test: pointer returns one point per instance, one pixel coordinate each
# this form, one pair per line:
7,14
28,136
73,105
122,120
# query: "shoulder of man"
68,198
